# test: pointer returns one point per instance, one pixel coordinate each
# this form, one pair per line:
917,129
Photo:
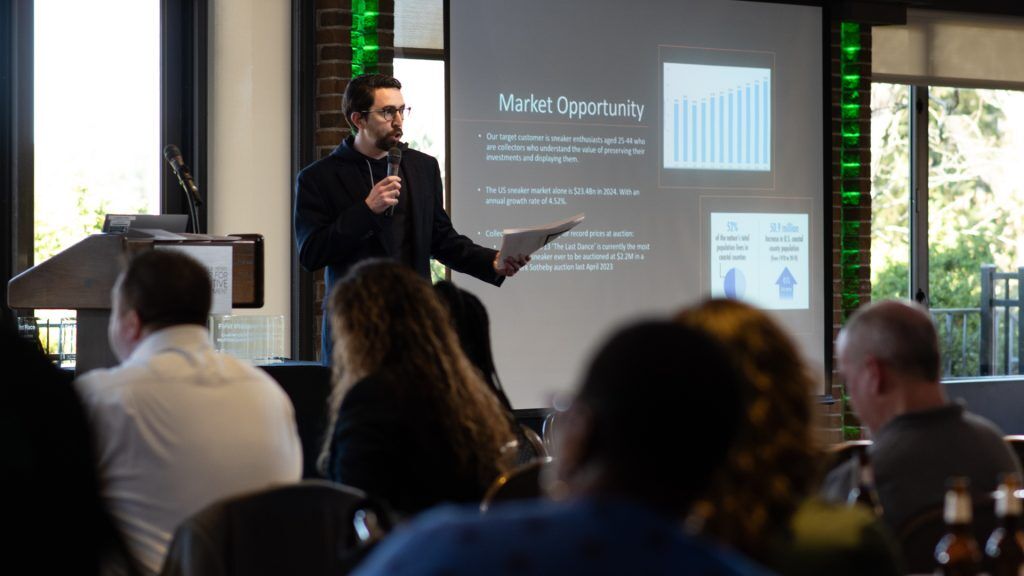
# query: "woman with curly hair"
412,422
760,501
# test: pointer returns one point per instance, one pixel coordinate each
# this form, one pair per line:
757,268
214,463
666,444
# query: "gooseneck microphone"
173,156
394,159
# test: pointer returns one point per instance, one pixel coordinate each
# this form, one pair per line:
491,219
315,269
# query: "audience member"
759,502
49,470
178,425
473,327
413,424
654,417
889,359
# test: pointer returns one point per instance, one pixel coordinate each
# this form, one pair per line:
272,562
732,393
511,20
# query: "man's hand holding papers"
517,244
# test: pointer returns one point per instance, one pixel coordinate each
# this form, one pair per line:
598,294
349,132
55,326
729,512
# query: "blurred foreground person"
49,471
654,416
412,424
759,502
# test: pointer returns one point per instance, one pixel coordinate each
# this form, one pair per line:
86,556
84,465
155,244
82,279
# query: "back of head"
166,288
899,333
385,315
473,327
772,467
360,92
663,401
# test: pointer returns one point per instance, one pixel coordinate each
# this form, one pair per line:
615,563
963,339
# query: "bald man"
888,356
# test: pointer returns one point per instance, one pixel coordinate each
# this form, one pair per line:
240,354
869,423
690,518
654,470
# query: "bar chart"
717,117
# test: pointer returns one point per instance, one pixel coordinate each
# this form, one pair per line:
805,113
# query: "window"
89,91
97,116
974,223
890,191
96,127
423,88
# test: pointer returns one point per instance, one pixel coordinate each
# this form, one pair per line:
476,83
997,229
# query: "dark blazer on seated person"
389,443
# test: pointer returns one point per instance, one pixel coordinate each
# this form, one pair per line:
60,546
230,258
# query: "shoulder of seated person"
103,381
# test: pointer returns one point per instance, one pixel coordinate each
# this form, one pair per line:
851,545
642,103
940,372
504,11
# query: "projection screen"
690,133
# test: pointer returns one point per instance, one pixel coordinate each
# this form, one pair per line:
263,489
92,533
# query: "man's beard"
389,140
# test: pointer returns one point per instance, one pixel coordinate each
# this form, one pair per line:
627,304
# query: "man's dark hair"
360,93
665,405
166,288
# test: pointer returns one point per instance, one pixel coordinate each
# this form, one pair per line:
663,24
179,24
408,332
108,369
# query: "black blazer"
335,228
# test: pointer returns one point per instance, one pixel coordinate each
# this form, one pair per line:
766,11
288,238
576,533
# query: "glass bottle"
862,489
957,553
1004,551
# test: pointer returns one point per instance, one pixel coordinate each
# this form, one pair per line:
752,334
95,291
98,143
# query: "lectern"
81,277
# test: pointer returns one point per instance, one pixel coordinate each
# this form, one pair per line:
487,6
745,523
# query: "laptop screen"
121,223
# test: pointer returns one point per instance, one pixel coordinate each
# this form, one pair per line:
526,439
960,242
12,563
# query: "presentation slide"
690,133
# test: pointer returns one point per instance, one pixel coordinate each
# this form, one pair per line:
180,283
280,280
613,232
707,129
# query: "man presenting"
347,207
177,425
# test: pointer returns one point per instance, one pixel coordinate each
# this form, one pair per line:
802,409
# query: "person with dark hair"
412,422
473,327
49,469
761,501
178,425
889,358
653,419
348,209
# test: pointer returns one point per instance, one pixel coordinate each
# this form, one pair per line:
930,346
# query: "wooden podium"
81,277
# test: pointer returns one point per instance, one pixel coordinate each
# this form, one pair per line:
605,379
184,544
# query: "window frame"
183,88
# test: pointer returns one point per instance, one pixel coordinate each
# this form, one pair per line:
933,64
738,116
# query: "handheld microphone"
173,156
394,159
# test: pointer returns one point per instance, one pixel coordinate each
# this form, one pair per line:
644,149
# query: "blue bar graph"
732,130
676,132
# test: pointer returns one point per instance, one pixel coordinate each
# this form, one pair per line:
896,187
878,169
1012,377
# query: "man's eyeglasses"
389,112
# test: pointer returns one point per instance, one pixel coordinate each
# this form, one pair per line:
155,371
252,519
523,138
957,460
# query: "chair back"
308,385
919,535
840,453
521,483
1016,442
549,432
534,440
311,528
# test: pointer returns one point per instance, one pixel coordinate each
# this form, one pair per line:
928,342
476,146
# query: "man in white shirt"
178,425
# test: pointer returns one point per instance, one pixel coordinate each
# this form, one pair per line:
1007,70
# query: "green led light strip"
850,217
849,166
365,45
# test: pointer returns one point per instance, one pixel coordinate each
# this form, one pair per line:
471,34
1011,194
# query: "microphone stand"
193,212
193,201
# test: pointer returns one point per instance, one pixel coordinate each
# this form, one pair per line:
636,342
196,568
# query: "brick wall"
851,217
333,71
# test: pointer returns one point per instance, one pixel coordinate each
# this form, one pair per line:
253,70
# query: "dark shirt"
587,536
389,443
334,228
915,453
399,225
